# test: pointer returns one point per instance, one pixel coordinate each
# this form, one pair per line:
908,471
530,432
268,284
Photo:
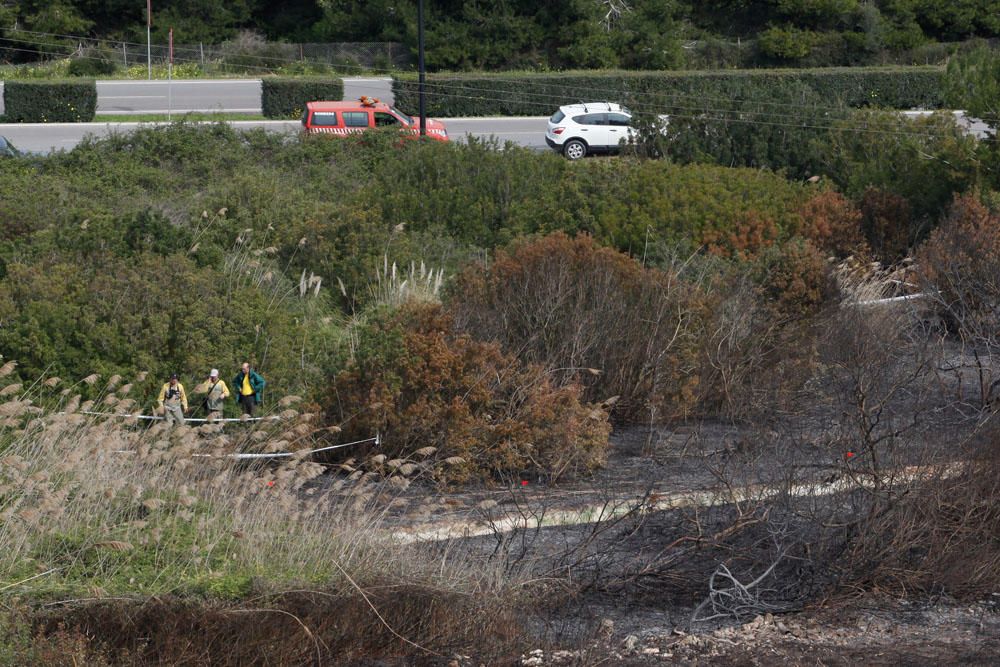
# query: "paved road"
380,87
46,137
133,97
128,97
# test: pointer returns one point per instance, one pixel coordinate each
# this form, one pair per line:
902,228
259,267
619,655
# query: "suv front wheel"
574,149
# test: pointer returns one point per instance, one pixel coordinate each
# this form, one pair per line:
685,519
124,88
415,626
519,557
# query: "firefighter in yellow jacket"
173,400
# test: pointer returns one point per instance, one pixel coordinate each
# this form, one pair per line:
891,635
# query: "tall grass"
95,508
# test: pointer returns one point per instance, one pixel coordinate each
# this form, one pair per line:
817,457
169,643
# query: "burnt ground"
620,585
631,583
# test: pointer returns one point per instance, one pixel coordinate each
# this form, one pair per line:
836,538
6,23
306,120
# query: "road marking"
135,112
180,82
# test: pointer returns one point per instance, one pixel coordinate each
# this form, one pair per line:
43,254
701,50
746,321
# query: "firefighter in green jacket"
173,401
249,386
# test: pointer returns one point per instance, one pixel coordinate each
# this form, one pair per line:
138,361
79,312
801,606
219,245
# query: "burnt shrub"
887,223
591,315
961,260
419,383
959,266
940,535
832,223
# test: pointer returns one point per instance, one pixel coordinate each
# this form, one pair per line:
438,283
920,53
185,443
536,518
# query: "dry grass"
396,286
96,511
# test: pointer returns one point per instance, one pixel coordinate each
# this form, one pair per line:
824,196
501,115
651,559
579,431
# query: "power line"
611,92
547,100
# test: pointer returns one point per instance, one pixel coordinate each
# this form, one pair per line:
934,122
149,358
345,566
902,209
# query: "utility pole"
170,75
420,67
149,49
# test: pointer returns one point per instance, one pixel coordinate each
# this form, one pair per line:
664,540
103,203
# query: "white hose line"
623,505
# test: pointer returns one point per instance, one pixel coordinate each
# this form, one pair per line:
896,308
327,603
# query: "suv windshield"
557,116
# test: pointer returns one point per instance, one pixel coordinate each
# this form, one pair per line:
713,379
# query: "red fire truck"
343,118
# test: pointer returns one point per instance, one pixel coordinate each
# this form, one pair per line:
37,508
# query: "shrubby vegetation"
421,384
185,247
684,94
575,295
49,101
591,316
631,34
231,245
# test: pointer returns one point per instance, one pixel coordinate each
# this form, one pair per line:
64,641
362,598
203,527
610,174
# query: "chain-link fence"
248,54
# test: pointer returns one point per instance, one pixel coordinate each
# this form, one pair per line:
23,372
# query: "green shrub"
778,127
528,94
50,101
92,63
924,160
286,98
786,43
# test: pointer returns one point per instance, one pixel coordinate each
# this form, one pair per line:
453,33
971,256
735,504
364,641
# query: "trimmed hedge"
287,97
527,94
49,101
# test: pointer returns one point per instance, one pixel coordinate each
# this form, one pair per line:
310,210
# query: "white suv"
595,127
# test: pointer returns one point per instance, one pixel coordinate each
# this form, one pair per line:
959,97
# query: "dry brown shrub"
590,315
748,238
961,260
959,266
832,223
796,278
419,384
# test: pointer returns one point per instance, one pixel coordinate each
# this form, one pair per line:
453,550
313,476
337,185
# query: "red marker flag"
149,13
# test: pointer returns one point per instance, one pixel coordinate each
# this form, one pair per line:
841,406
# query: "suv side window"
356,118
383,119
618,119
324,118
591,119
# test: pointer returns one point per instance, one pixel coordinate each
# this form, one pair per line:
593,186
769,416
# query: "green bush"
286,98
776,127
527,94
50,101
92,63
786,43
924,160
